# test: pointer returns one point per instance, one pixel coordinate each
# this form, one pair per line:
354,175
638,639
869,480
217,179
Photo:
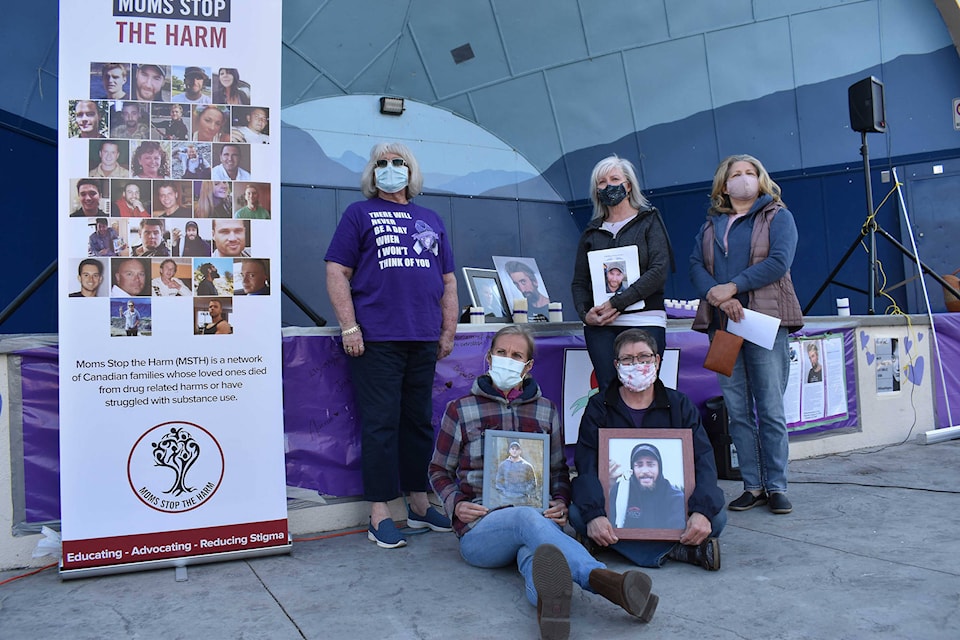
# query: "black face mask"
612,194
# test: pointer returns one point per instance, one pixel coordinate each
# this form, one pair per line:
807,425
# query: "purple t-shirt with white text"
399,254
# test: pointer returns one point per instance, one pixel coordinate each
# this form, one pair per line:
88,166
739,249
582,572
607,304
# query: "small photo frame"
650,481
486,292
612,271
521,279
516,469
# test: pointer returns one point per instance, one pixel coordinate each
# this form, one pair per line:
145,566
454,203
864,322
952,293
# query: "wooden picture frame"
666,519
525,482
483,283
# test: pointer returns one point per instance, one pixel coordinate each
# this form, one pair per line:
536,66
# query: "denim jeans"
600,347
759,380
513,534
644,553
393,389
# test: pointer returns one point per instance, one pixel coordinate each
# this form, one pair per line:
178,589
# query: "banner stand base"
177,563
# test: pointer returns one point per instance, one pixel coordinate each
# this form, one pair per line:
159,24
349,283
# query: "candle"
556,312
520,310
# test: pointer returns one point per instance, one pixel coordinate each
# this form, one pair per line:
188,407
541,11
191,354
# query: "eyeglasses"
397,162
642,358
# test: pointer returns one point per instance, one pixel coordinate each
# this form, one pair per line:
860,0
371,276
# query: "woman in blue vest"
741,259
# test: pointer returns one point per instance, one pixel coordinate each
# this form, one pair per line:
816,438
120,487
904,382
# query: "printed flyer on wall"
171,424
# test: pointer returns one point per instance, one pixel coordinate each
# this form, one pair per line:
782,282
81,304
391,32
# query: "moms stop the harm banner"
171,425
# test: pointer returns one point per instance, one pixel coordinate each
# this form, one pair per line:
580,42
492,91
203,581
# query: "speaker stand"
869,231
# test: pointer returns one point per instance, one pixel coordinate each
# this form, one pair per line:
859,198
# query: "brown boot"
554,585
630,590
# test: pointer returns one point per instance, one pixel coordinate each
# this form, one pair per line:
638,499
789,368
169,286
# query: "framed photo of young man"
486,292
516,469
650,479
612,271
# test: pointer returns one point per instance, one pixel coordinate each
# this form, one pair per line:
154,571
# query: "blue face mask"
506,373
612,194
391,179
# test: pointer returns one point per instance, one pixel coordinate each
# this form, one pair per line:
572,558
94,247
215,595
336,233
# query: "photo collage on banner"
170,233
168,191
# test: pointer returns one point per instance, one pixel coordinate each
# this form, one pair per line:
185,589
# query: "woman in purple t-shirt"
391,282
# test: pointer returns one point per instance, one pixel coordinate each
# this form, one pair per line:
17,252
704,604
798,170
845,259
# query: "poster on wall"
817,387
171,425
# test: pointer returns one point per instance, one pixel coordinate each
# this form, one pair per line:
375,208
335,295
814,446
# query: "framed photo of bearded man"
649,481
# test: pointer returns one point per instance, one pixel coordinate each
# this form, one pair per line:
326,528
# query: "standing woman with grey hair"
390,278
622,218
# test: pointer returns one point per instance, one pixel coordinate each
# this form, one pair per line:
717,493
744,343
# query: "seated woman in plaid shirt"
549,560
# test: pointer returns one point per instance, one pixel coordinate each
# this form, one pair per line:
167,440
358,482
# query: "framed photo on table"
650,481
516,469
486,292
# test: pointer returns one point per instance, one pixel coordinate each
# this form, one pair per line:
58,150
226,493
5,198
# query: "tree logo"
175,467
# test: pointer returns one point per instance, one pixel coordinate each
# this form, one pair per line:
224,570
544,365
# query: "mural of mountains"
352,161
311,164
314,166
494,182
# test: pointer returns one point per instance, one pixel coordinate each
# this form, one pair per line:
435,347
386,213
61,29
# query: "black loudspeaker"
717,423
866,106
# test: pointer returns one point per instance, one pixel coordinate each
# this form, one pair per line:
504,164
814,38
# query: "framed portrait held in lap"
650,479
486,292
516,469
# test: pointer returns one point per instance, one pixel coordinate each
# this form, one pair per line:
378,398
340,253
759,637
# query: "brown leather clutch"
722,354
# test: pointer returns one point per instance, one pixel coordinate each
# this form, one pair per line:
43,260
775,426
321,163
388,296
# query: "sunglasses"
397,162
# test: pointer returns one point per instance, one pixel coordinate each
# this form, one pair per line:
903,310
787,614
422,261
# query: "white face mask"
637,377
391,179
506,373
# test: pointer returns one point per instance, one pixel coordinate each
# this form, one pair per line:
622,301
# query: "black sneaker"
592,547
778,503
706,554
748,501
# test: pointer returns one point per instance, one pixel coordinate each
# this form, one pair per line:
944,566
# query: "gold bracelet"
346,332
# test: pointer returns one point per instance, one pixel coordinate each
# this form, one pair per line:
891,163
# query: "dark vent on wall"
462,53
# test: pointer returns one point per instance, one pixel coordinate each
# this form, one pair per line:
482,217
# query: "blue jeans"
644,553
513,534
600,347
759,380
393,389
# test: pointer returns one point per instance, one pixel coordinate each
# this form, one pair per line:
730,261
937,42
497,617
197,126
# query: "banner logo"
175,467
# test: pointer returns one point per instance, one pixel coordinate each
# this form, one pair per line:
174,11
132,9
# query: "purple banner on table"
40,383
948,339
321,425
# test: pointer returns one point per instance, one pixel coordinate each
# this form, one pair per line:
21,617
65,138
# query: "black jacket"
649,234
670,410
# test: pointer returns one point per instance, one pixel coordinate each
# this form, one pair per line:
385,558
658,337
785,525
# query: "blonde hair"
720,201
206,204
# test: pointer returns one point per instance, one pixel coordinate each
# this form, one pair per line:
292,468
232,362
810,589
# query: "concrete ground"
869,552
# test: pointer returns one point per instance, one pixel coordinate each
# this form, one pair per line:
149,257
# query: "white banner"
171,424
